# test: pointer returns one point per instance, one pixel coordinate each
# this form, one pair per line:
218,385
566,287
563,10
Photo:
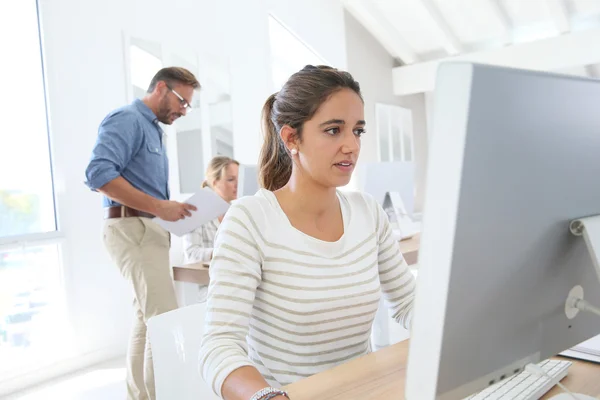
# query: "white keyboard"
525,386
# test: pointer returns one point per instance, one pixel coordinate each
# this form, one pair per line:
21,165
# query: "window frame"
49,237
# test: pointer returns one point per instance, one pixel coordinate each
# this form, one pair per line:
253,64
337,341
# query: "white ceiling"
421,31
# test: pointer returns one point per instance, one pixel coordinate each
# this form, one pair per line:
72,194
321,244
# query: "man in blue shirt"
129,167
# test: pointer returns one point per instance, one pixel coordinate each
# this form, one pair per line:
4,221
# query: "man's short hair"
172,76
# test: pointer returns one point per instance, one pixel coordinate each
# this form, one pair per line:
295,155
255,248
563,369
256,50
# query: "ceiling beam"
446,35
501,15
560,15
369,15
560,52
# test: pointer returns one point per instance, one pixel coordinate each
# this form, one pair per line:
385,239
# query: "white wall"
319,23
429,100
83,44
84,81
371,65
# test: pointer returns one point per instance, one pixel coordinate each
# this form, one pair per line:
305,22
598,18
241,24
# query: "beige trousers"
140,248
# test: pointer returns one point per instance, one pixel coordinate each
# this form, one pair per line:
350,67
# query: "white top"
198,244
292,305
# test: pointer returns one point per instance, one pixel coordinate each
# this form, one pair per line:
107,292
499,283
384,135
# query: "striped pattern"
292,305
198,245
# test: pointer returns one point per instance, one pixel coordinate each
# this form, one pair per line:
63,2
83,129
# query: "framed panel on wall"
218,96
207,130
395,139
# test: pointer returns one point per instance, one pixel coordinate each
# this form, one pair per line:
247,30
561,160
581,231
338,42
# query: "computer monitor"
248,180
514,158
378,178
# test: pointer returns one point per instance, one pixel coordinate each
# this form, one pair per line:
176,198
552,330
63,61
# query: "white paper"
581,356
588,350
209,206
591,346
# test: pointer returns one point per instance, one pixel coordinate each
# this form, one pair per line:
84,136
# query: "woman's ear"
289,137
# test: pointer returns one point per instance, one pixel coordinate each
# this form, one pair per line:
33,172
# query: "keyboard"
526,386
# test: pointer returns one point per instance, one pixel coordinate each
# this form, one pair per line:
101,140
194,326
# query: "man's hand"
173,210
122,192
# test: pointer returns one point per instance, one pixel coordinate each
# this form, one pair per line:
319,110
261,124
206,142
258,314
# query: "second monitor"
248,180
515,158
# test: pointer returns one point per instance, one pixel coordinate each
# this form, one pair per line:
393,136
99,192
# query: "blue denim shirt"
129,144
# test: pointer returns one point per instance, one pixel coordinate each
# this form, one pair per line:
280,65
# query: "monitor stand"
589,228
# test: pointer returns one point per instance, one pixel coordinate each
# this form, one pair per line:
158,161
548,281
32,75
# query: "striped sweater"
292,305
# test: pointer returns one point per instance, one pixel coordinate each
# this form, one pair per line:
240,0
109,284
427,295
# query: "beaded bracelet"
273,395
268,393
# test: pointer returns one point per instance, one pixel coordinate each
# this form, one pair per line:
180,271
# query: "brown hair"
216,169
173,75
296,102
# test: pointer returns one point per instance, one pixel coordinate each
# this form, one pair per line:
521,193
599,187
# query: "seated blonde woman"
222,177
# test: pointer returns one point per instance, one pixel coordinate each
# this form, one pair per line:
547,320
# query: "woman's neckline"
275,202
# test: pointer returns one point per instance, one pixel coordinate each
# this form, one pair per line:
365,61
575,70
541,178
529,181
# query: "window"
32,313
32,319
26,190
394,133
145,59
288,53
183,140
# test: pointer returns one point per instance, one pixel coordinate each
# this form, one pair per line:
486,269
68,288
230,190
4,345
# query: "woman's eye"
360,131
333,131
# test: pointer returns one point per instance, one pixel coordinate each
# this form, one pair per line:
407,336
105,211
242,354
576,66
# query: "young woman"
299,268
222,177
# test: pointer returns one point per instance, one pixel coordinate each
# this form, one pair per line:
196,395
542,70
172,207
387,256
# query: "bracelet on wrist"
273,395
268,393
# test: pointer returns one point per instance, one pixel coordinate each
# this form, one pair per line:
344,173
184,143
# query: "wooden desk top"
381,375
410,249
410,245
193,273
583,377
198,272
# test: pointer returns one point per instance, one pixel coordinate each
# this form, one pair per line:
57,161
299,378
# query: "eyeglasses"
182,102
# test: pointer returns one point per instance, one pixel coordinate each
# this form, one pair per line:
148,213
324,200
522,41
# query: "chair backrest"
175,339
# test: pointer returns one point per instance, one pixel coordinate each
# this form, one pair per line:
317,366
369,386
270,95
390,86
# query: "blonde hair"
216,169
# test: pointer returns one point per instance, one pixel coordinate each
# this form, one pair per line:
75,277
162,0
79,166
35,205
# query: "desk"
410,249
192,273
187,278
198,272
381,375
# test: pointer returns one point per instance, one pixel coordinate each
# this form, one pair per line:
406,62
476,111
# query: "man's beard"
164,114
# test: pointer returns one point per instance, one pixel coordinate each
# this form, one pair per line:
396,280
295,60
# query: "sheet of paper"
210,205
588,350
581,355
591,346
